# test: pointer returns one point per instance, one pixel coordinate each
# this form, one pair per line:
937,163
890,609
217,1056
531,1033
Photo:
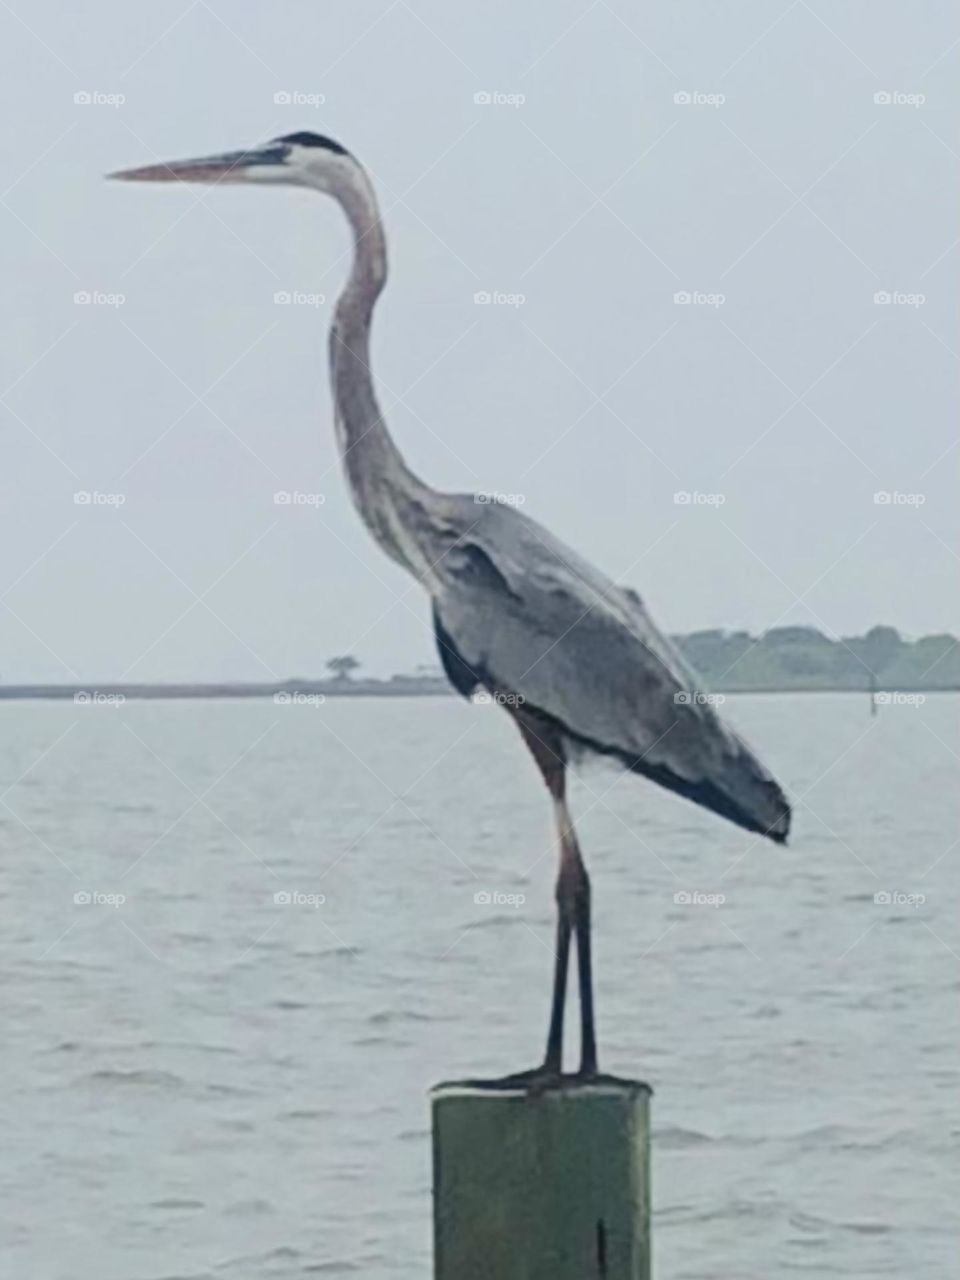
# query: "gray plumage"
531,618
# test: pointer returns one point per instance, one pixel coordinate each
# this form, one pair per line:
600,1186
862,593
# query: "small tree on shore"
343,667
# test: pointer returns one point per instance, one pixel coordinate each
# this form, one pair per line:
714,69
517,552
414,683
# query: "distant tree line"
804,658
785,658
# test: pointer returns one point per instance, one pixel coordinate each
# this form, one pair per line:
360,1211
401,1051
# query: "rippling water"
203,1082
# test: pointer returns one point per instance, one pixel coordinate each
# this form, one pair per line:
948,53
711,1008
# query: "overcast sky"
782,187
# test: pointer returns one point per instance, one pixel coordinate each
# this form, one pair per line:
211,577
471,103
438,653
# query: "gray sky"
797,198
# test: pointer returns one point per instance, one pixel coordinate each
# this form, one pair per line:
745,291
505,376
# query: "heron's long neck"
379,480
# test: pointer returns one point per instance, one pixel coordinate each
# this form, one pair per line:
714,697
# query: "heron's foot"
547,1079
536,1080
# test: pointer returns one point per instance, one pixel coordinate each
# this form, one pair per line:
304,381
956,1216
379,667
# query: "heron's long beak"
231,166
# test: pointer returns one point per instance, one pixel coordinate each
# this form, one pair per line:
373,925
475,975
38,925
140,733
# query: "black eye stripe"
306,139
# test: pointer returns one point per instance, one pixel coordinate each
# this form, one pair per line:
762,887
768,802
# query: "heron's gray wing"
519,612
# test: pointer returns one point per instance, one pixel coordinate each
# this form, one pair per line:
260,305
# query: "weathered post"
549,1185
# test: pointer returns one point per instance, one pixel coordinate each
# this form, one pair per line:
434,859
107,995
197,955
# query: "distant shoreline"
400,686
790,659
396,687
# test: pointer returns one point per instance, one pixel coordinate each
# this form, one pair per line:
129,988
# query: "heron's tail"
758,806
739,789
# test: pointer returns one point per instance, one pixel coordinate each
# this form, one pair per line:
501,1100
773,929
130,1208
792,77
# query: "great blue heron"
575,659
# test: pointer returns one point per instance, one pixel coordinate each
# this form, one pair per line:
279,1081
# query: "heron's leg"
546,747
573,892
588,1033
553,1061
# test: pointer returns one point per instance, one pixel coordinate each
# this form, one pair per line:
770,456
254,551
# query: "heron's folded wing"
529,617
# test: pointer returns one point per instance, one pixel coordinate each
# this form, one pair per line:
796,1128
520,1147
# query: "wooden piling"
550,1185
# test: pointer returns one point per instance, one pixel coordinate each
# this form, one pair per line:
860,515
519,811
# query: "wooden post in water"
552,1185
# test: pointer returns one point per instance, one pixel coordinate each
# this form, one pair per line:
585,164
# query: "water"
201,1082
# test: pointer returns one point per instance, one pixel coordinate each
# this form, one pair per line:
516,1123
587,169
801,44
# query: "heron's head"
297,159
